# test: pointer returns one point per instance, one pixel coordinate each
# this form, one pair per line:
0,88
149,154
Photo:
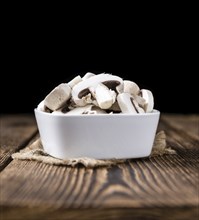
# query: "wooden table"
162,187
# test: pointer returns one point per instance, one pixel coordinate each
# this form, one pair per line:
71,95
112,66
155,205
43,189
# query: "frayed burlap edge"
160,146
35,152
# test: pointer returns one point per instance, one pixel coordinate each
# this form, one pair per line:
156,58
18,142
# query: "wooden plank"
137,185
15,132
188,123
37,213
165,186
178,135
141,183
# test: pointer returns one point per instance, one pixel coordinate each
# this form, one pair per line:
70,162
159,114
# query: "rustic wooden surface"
15,133
162,187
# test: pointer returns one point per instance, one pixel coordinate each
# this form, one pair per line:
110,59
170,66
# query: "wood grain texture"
15,132
162,187
19,213
188,123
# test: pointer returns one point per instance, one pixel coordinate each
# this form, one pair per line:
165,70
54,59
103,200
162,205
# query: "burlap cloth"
35,152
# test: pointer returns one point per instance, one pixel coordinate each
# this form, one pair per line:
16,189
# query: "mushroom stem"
104,97
128,105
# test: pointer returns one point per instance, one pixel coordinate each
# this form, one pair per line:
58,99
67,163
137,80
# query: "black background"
171,83
158,54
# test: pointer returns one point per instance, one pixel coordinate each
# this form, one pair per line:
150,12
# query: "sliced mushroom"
82,89
131,87
71,104
148,96
88,75
127,104
95,110
58,96
97,94
88,109
75,111
92,91
61,111
43,108
75,81
141,101
80,110
104,97
138,108
115,107
87,98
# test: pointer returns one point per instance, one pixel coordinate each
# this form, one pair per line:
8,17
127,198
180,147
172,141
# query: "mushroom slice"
82,89
88,75
61,111
80,110
104,97
88,109
88,98
141,101
71,104
95,110
92,91
127,104
138,108
115,107
43,108
148,96
131,87
58,96
74,81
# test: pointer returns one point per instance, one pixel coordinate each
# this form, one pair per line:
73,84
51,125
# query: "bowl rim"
154,112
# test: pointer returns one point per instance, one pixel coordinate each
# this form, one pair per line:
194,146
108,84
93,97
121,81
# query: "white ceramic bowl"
97,136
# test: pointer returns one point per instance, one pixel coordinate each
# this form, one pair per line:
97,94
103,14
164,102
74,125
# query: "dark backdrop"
158,54
29,78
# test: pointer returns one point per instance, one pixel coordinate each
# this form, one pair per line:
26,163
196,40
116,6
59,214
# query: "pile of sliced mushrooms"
98,94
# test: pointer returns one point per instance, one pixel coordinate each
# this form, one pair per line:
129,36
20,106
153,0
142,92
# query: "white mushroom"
97,94
115,107
75,111
42,107
95,110
83,88
148,96
131,87
104,97
141,101
127,104
138,108
88,75
87,98
80,110
74,81
61,111
88,109
58,96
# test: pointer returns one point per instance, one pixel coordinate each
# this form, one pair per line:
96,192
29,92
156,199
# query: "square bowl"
101,136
